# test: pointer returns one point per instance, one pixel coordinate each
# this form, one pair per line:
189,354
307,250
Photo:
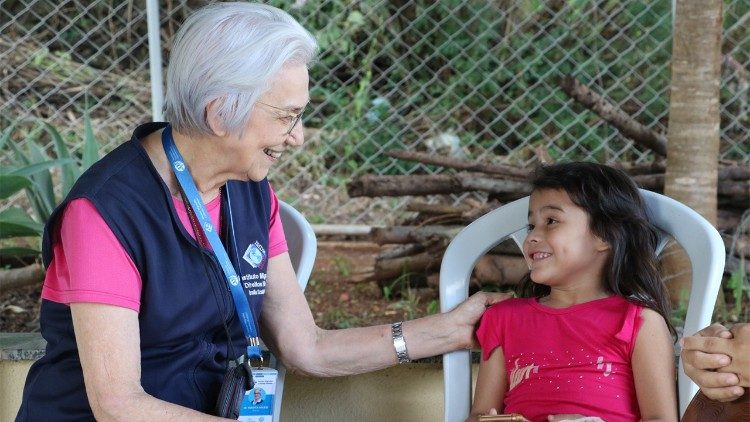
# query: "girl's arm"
491,385
654,369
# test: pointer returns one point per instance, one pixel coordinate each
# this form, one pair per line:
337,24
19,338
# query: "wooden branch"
738,190
426,208
639,169
628,126
416,184
736,172
21,277
401,251
410,234
461,164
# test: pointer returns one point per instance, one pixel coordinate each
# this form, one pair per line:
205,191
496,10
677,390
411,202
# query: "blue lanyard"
187,185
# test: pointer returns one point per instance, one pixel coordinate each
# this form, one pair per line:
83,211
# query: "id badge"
257,406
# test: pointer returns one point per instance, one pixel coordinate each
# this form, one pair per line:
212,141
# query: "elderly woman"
140,306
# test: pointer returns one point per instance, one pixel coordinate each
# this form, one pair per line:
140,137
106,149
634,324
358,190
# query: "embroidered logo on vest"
255,255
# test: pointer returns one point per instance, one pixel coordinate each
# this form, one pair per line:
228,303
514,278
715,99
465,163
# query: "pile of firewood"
417,246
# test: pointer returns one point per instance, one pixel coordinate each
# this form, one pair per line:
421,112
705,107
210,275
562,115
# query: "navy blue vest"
185,300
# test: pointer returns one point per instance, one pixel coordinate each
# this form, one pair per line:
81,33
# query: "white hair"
228,53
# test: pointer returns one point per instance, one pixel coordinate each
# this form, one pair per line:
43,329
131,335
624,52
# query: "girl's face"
560,249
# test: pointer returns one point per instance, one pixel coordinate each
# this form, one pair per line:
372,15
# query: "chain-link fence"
474,79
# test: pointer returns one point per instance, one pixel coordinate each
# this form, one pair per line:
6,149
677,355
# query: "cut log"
425,208
461,164
393,268
400,251
417,184
21,277
737,190
409,234
735,172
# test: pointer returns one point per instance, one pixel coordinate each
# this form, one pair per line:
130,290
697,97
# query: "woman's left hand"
468,313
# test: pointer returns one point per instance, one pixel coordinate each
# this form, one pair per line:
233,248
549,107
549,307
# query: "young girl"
590,337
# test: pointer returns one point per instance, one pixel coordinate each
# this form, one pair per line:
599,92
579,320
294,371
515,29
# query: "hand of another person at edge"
740,353
710,359
571,418
468,313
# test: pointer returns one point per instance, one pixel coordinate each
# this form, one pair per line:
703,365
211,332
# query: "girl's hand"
571,418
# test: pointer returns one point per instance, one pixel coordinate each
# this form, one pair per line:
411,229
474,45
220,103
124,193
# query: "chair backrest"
300,238
303,247
697,236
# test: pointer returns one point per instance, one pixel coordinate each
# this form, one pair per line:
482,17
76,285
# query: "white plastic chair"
697,236
303,246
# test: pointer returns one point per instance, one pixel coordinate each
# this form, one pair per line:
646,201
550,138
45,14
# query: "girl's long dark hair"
618,216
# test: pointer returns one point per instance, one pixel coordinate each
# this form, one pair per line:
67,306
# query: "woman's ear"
214,120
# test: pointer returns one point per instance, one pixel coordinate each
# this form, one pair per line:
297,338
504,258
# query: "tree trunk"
693,148
693,133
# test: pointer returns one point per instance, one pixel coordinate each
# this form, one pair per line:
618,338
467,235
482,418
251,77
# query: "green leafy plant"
342,265
433,307
738,285
397,286
33,171
408,304
679,313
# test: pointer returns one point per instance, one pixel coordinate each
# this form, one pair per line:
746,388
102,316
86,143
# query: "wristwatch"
399,344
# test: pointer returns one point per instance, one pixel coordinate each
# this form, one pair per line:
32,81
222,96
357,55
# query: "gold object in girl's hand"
512,417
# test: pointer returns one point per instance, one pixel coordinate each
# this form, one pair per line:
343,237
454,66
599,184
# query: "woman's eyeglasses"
293,119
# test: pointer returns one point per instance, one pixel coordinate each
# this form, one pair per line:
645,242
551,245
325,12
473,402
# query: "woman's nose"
296,137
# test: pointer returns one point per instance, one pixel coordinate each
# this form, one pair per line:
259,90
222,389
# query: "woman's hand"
468,313
717,360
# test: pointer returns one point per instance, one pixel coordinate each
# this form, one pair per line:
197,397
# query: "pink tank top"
575,360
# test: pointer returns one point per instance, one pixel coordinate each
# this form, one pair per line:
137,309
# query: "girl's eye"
551,221
529,227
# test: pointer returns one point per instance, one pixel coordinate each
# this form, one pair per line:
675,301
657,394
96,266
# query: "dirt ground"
335,301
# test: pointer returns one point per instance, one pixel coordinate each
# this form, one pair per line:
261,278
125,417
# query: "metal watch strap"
399,344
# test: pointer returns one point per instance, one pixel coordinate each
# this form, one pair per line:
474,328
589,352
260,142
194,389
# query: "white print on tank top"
601,365
519,374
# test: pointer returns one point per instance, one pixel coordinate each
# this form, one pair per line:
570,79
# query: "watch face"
399,344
